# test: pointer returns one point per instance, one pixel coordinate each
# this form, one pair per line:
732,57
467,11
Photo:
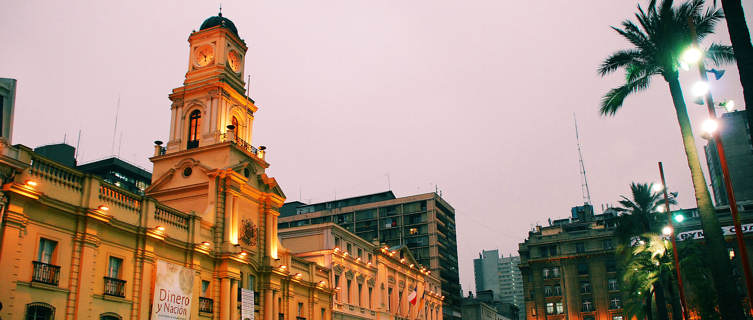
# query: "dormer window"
193,129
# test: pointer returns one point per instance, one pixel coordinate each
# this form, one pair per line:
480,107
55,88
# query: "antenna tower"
584,184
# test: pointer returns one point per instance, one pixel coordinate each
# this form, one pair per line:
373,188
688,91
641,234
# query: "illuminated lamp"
160,228
104,208
31,183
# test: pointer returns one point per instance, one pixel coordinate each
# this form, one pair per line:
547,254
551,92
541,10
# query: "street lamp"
670,231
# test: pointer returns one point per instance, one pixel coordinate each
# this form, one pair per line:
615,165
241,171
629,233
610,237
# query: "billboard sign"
173,292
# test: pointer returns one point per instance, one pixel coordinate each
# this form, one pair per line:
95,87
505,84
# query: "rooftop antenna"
77,142
389,185
248,87
584,184
115,130
220,14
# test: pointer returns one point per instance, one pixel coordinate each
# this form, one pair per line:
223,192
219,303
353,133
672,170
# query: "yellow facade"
371,282
76,247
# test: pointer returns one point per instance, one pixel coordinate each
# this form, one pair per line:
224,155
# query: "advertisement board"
173,292
247,304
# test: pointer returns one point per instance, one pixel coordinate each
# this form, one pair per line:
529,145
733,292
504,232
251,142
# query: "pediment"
185,173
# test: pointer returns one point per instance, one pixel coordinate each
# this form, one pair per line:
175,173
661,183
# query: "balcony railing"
206,305
46,273
242,144
115,287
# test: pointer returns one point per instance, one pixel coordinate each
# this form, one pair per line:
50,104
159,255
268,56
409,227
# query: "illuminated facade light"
31,183
104,208
205,243
244,253
160,228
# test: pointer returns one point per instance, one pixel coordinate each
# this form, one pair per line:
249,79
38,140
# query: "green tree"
660,35
642,257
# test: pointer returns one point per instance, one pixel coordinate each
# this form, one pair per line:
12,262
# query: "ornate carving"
360,278
371,282
349,274
249,232
401,284
391,279
338,269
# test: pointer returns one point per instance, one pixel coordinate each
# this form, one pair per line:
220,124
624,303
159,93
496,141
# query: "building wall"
738,149
559,262
425,223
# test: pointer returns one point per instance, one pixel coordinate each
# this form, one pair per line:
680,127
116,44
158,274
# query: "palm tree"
658,39
643,261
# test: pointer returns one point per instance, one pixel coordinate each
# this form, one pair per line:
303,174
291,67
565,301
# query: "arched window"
236,129
193,129
39,311
110,316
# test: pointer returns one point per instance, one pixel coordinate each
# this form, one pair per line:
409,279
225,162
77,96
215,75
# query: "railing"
243,145
171,217
45,273
206,305
56,172
114,287
119,198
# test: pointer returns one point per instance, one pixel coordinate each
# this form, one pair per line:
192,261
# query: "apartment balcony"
45,273
114,287
206,305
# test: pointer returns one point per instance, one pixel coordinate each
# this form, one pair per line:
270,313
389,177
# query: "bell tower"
211,107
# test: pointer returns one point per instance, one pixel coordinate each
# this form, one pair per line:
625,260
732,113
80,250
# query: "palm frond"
720,54
619,59
613,100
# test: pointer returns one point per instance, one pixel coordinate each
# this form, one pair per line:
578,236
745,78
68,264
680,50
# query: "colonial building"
569,270
200,243
371,282
425,223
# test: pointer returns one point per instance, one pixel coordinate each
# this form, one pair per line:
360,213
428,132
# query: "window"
389,299
348,292
614,302
324,314
360,294
553,251
109,316
550,308
370,291
547,291
613,285
370,257
582,268
580,247
350,249
587,305
360,253
46,250
557,290
204,288
194,121
546,273
39,311
616,317
556,272
337,242
585,287
236,128
300,309
114,270
608,244
544,251
611,265
560,308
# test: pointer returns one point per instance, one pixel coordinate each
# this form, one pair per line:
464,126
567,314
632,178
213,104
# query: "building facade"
425,223
735,134
371,282
476,308
200,243
569,269
501,275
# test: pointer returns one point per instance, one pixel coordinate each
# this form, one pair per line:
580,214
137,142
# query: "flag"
413,296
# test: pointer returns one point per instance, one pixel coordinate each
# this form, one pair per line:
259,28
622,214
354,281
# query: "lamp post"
717,140
674,244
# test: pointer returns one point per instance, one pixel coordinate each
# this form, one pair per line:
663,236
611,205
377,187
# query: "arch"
194,127
110,316
236,126
39,311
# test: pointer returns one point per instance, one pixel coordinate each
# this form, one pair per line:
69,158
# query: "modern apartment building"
569,270
500,275
425,223
371,282
738,148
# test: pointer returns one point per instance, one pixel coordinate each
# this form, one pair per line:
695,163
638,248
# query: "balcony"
206,305
45,273
114,287
243,145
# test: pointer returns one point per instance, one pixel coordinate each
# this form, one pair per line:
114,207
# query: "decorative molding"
349,274
360,278
338,269
371,282
391,279
401,284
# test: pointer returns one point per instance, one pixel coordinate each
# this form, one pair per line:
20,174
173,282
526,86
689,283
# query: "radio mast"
584,183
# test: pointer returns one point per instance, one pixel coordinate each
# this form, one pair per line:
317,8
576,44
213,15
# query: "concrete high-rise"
738,149
501,275
425,223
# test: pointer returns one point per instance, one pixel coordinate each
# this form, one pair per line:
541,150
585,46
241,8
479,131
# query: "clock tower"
210,169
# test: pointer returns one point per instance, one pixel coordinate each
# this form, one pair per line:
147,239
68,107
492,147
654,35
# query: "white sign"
247,304
726,230
173,291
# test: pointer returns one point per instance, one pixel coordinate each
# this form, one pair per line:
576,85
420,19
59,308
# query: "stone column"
225,298
234,313
269,303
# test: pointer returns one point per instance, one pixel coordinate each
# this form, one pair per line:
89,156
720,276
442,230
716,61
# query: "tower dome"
219,20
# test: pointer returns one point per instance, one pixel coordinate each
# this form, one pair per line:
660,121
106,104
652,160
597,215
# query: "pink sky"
474,96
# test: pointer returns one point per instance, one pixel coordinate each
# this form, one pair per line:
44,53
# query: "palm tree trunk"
649,312
673,300
729,301
661,302
740,38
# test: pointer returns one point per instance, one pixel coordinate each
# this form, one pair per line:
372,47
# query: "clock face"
234,60
204,56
